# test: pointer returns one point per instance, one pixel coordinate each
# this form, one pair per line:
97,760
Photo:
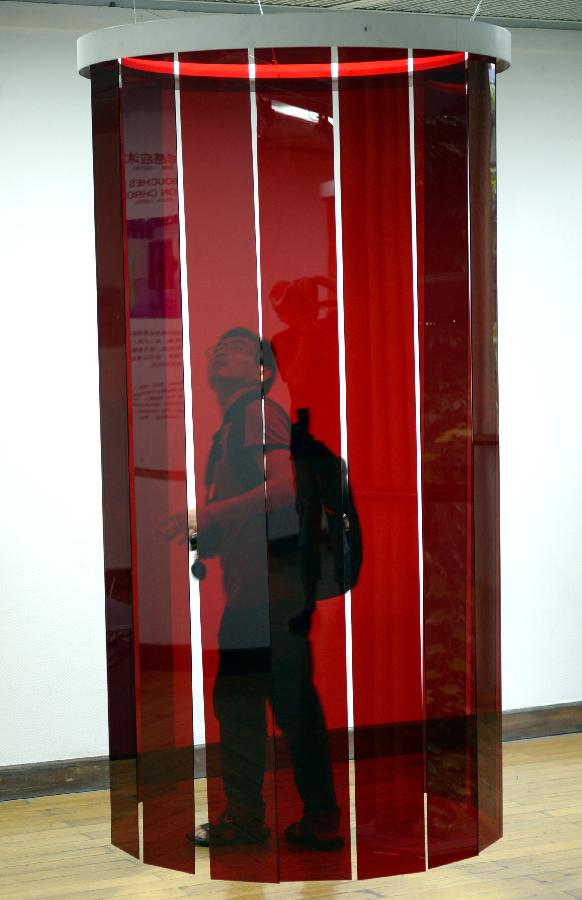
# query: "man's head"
235,361
296,303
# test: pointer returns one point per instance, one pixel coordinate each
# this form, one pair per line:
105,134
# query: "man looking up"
262,657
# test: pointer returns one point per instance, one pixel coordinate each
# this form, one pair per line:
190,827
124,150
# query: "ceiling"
514,13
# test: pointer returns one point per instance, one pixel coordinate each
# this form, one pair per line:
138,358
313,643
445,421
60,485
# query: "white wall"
52,654
52,693
53,701
540,332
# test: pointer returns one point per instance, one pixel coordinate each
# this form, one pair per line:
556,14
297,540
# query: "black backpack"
330,537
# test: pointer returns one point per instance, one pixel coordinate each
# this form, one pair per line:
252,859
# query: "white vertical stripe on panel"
469,593
416,329
195,632
342,380
255,155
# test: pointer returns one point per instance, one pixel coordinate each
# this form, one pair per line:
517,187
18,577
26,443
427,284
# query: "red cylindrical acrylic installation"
296,264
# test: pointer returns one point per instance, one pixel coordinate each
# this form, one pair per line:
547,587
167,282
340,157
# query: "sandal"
298,833
228,833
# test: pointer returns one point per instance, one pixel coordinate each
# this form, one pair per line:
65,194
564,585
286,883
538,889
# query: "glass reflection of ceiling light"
296,112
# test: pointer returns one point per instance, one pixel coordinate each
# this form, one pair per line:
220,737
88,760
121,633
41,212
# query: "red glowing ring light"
293,70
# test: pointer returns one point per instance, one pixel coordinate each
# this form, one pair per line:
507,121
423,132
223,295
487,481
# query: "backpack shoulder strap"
241,458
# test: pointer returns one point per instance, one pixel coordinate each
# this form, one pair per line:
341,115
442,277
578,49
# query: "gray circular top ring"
210,31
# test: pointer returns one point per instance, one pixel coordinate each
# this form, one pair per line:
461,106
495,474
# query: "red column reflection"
441,136
153,278
299,306
222,290
380,376
115,457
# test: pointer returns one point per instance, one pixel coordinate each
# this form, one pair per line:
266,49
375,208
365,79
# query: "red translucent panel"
381,412
441,146
115,459
157,392
295,160
230,500
482,186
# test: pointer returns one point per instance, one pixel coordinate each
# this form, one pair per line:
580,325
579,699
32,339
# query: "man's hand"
192,524
172,527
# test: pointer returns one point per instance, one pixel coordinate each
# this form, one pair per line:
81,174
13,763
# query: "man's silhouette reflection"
264,648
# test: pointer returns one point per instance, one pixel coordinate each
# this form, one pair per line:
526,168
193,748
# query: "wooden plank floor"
59,847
